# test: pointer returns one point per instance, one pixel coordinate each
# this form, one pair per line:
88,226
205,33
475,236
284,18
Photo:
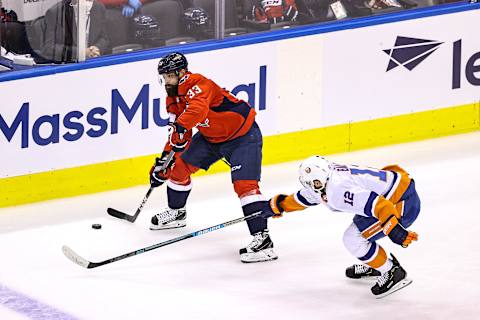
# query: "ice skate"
361,271
259,250
169,219
391,281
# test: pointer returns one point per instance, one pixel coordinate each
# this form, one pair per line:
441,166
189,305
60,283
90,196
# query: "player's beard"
172,90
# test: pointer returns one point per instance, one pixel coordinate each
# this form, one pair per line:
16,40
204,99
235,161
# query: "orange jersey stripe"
290,204
372,230
384,209
402,185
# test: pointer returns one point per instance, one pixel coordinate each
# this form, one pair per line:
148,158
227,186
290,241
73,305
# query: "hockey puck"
96,226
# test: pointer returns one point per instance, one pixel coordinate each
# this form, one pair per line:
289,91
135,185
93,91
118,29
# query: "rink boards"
98,129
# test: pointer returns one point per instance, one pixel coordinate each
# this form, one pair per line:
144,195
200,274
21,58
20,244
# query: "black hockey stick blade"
75,258
120,215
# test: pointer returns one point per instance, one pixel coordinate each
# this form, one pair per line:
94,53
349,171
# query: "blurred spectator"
61,31
129,7
326,10
382,4
7,15
274,11
13,37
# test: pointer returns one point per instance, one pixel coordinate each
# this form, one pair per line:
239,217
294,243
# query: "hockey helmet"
172,62
196,20
314,173
146,29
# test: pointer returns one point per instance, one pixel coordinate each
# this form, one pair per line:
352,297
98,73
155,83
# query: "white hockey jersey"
364,191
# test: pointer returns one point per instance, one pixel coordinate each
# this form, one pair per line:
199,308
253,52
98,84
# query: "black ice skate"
361,271
391,281
169,219
260,249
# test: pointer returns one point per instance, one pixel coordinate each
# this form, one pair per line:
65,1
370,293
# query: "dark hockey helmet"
196,20
172,62
146,28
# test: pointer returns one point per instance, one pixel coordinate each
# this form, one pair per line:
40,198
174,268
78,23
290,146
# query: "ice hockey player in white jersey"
384,202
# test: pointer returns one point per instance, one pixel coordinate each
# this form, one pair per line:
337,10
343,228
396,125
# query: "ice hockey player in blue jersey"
384,202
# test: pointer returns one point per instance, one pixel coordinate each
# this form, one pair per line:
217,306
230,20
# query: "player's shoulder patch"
191,79
184,79
188,81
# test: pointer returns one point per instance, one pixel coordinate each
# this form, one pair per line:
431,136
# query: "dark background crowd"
116,26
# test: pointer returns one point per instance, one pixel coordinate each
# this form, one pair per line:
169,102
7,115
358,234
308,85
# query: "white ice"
202,277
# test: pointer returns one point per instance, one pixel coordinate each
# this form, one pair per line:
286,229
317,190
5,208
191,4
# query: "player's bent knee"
182,171
354,242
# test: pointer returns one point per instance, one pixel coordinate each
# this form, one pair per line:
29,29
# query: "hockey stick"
121,215
70,254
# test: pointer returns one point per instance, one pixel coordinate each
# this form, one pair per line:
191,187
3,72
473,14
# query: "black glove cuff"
179,128
398,234
278,202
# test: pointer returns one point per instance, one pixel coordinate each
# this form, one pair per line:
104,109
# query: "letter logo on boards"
409,52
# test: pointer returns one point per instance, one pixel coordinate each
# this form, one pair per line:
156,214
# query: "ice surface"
202,278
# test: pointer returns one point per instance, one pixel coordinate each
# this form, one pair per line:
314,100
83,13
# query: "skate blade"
402,284
168,226
364,279
266,255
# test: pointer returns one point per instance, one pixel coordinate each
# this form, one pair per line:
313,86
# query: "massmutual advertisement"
329,92
111,113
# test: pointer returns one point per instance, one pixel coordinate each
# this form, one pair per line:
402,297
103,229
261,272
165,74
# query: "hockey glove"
136,4
177,137
127,11
157,175
274,208
394,230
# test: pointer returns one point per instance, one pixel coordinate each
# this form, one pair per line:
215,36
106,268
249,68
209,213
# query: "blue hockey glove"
136,4
127,11
394,230
274,208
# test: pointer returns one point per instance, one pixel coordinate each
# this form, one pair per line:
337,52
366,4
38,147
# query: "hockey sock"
376,258
258,224
177,195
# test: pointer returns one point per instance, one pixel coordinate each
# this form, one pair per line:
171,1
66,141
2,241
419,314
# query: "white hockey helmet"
314,173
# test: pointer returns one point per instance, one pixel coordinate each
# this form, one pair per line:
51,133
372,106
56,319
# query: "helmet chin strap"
323,194
177,72
323,191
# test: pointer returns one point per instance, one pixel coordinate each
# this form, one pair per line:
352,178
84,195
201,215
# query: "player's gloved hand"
127,11
274,208
135,4
177,137
158,175
394,230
